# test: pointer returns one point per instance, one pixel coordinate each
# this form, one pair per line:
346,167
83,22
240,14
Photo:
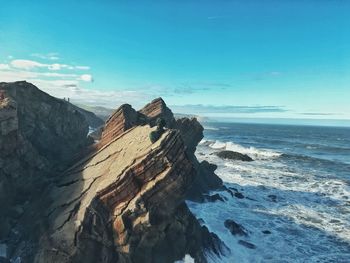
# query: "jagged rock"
124,118
191,131
131,188
233,156
38,132
53,126
205,181
235,229
158,109
121,200
90,117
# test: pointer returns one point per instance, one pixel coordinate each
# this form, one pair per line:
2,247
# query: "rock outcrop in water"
120,201
234,156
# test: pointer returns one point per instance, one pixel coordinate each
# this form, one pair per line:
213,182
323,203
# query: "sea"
296,192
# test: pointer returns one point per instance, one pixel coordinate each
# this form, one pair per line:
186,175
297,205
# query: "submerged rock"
235,229
273,198
239,195
214,198
233,156
246,244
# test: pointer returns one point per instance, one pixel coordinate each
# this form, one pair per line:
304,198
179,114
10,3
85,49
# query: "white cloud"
86,77
4,66
27,64
57,66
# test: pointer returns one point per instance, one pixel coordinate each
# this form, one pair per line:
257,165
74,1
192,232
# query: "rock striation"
119,200
125,203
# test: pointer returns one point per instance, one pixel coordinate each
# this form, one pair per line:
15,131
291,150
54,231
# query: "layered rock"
124,118
158,109
122,200
124,203
191,132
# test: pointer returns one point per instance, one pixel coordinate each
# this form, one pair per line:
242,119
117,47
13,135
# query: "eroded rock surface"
38,132
121,200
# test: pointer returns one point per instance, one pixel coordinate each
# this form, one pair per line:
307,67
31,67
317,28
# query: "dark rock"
266,232
214,198
273,198
154,136
191,131
234,193
38,134
233,156
246,244
239,195
201,221
235,229
204,181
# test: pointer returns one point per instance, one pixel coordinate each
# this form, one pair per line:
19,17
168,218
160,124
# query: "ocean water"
297,188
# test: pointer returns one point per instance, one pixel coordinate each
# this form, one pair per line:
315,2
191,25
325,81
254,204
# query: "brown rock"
131,188
124,118
158,109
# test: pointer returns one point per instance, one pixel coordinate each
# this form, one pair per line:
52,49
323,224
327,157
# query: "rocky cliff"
38,132
120,201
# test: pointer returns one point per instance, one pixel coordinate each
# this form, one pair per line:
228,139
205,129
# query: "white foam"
257,154
308,219
186,259
211,128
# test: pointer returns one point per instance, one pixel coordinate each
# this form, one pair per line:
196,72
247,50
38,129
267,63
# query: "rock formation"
158,109
122,200
234,156
38,132
120,204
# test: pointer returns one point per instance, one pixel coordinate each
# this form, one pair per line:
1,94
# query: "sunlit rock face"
119,200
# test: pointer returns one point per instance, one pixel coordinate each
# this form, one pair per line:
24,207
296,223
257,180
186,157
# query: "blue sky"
246,59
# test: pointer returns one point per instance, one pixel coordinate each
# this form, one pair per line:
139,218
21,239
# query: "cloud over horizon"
204,109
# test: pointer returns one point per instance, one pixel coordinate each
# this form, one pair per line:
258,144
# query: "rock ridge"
119,200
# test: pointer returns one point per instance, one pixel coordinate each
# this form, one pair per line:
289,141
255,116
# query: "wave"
210,128
314,160
257,154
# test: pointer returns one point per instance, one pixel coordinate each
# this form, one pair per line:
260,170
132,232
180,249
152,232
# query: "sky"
284,59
